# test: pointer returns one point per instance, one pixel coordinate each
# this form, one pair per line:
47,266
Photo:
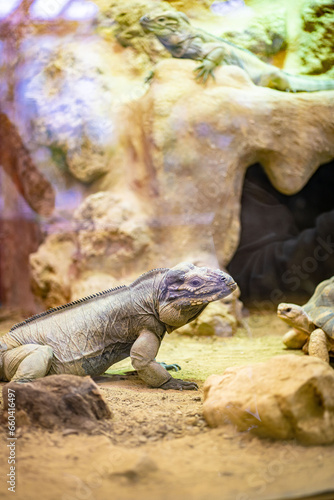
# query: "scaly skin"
87,336
182,40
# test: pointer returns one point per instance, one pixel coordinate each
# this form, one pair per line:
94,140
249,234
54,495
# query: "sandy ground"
158,446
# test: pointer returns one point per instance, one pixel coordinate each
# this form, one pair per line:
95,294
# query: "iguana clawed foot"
173,367
204,70
179,385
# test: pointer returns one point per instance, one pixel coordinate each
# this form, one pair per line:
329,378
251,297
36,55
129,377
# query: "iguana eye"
195,282
161,19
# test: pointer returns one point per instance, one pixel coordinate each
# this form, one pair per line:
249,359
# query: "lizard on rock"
182,40
87,336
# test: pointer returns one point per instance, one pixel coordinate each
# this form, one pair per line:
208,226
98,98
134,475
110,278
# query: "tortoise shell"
320,307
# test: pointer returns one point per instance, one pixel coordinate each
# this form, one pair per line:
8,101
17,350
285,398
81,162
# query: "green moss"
316,50
265,36
201,357
58,155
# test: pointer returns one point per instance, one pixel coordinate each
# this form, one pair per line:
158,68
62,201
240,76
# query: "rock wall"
148,171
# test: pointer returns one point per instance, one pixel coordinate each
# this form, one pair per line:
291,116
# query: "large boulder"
107,243
200,141
286,397
57,401
71,99
111,232
52,270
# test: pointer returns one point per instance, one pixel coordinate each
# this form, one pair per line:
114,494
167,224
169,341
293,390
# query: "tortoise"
313,323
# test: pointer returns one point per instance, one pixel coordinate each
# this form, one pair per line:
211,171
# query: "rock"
55,401
93,280
128,31
167,208
21,183
286,397
201,139
18,164
111,240
111,231
52,269
71,101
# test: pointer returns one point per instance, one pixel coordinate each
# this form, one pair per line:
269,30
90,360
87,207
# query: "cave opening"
287,242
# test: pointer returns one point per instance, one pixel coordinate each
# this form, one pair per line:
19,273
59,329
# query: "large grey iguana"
87,336
182,40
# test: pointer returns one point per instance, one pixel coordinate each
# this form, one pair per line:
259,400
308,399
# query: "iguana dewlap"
182,40
87,336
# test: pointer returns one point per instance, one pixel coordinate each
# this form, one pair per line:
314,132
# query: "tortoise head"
295,316
186,290
164,23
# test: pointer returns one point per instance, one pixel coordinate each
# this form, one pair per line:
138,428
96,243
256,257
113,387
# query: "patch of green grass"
200,357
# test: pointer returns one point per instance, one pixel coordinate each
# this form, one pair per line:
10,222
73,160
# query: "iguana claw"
173,367
205,70
179,385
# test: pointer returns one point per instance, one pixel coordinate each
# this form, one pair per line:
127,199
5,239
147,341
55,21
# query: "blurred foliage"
265,36
317,39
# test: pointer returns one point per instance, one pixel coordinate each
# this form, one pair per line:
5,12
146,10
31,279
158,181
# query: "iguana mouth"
210,297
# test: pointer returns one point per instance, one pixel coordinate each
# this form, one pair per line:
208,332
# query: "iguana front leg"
213,58
143,353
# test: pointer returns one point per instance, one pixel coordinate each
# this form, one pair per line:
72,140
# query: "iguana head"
295,316
186,290
164,23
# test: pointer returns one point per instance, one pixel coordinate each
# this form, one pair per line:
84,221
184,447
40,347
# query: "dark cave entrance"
287,242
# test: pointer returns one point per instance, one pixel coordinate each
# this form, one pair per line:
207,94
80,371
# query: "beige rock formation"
108,244
111,233
52,269
181,166
286,397
199,141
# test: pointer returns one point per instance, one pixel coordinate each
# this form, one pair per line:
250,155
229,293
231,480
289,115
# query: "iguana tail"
305,83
